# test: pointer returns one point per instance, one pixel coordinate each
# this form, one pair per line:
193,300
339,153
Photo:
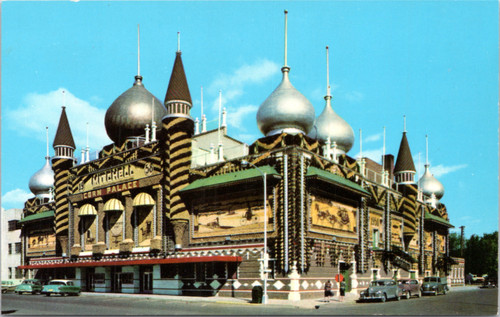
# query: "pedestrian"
342,291
328,291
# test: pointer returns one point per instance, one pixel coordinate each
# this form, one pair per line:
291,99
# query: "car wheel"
444,291
435,293
384,298
47,294
419,294
408,295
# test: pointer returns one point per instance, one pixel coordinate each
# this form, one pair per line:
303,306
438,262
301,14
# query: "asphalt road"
470,302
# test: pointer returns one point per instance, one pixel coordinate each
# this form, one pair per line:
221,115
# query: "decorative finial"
327,74
178,42
383,153
47,136
64,99
138,50
220,106
404,123
360,144
202,101
426,150
286,12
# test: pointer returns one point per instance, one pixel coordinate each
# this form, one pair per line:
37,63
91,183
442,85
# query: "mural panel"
397,234
41,240
144,225
115,226
236,216
88,226
327,214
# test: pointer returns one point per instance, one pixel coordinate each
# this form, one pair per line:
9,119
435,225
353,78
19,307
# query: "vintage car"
434,285
32,286
61,287
409,287
381,290
10,285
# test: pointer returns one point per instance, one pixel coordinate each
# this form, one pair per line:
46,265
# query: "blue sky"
434,61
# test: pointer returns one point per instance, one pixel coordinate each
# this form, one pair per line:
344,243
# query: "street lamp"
265,259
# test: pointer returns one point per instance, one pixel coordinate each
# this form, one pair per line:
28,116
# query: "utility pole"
462,234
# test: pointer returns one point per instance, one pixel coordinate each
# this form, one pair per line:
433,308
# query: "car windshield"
431,279
403,282
378,283
29,282
56,283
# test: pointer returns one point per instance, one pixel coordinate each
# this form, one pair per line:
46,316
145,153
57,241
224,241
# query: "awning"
38,216
230,178
314,172
113,204
143,199
87,210
198,259
437,219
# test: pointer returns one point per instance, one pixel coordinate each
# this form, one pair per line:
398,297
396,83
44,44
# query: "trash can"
257,294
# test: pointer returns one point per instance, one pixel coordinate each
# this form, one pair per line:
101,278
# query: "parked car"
381,290
409,287
434,285
61,287
32,286
10,285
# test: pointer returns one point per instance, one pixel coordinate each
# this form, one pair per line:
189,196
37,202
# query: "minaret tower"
63,160
179,129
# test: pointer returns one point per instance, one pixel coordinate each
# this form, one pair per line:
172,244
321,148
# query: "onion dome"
131,111
404,170
430,185
285,110
330,125
42,181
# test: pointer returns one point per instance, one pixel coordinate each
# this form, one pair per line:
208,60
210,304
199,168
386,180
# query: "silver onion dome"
330,124
42,181
285,110
430,185
131,111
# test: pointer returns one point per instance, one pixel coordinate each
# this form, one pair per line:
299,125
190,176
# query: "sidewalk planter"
257,295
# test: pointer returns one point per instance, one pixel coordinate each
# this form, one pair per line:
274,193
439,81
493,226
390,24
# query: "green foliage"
480,254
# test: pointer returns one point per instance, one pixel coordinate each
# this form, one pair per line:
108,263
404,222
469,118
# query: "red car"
409,287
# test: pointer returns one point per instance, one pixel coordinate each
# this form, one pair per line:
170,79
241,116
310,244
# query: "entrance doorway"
116,281
90,280
146,284
345,269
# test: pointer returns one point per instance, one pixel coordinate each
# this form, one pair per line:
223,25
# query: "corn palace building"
172,208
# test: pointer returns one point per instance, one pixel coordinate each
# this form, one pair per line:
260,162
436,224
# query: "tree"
481,254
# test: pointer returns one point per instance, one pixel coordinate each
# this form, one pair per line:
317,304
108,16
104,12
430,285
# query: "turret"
404,171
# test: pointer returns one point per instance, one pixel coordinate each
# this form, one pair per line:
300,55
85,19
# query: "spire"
286,43
138,50
178,87
404,170
47,137
328,93
63,135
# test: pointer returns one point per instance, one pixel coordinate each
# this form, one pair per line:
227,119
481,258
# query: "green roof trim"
336,179
230,178
38,216
429,216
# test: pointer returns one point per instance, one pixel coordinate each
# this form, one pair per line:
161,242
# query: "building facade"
11,244
167,209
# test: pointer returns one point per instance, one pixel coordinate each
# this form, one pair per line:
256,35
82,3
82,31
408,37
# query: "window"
376,238
10,248
19,273
10,271
13,225
127,278
168,270
18,247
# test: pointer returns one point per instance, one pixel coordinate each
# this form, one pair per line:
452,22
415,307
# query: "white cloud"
375,154
233,85
440,170
354,96
41,110
239,116
373,138
16,196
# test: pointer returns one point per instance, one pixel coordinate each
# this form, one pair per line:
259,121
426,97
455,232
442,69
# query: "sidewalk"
305,303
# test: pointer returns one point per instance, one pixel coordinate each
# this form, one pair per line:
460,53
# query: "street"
465,302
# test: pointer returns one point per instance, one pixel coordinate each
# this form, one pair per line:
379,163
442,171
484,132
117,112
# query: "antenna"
178,41
426,150
286,12
383,154
220,105
47,136
138,50
87,149
404,123
327,73
202,101
360,144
